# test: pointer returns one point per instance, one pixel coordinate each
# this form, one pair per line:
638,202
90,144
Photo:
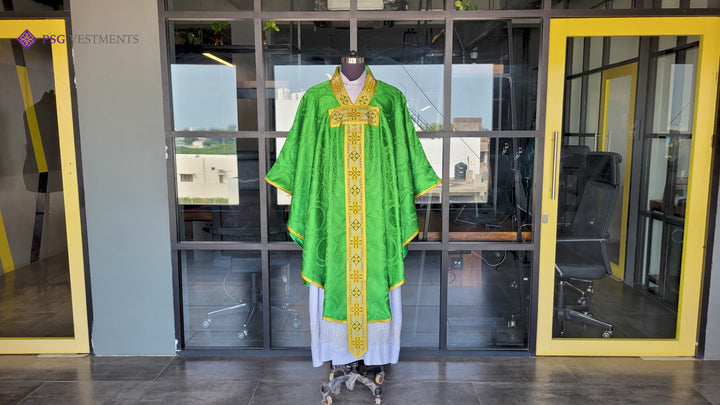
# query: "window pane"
289,312
496,4
429,210
209,5
222,298
491,189
212,76
299,56
409,56
421,300
218,189
34,269
29,6
487,305
494,75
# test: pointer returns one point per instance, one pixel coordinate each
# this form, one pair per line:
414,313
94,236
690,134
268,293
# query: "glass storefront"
475,101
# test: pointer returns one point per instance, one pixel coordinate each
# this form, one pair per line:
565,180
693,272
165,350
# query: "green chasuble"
354,171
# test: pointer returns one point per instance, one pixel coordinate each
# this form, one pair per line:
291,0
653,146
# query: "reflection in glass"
289,316
494,76
34,270
488,299
402,42
409,56
213,76
421,300
299,56
491,188
218,189
222,298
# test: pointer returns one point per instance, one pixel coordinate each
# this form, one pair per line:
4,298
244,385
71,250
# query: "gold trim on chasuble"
354,117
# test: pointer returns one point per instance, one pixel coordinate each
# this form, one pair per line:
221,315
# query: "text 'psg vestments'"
354,171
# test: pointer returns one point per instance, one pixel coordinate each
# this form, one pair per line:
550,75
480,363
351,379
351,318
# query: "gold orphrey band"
354,117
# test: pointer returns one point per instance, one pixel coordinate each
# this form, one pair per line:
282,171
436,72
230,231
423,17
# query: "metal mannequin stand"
348,374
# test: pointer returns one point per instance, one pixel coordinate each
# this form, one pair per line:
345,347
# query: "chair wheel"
242,335
297,324
607,334
206,323
582,302
380,378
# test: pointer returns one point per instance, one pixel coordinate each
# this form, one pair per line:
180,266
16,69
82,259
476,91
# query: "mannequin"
352,66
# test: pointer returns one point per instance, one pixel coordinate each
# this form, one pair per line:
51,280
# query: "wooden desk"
499,236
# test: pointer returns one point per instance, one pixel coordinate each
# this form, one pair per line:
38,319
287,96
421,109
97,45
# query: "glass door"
631,109
42,301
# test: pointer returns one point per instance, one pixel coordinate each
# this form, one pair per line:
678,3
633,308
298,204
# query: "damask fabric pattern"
354,171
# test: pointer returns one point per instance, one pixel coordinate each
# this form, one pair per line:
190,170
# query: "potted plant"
270,26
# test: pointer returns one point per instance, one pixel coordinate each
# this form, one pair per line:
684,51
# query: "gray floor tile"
106,392
213,368
711,392
428,393
572,394
247,368
11,392
394,393
496,369
605,370
34,368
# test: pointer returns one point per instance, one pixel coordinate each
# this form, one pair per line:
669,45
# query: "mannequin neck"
352,70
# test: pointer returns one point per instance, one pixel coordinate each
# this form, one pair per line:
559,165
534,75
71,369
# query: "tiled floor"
416,381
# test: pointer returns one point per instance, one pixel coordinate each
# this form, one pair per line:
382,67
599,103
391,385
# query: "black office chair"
581,254
253,303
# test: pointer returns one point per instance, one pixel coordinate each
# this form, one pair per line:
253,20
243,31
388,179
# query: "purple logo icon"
26,39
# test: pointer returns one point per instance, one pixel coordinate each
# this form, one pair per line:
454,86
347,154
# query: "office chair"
581,254
573,165
253,303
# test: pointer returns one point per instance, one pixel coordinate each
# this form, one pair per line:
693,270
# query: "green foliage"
462,5
271,25
218,26
192,37
211,146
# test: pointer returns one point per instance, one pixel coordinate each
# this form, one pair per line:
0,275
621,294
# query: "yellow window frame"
684,343
630,69
79,342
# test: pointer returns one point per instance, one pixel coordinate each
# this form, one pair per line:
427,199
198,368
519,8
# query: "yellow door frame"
79,342
630,69
708,29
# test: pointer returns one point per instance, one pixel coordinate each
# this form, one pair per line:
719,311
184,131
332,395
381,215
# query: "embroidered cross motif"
354,117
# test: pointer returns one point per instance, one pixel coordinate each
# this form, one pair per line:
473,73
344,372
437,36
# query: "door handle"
556,145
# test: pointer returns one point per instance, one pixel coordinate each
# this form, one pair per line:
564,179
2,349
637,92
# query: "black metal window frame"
445,246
